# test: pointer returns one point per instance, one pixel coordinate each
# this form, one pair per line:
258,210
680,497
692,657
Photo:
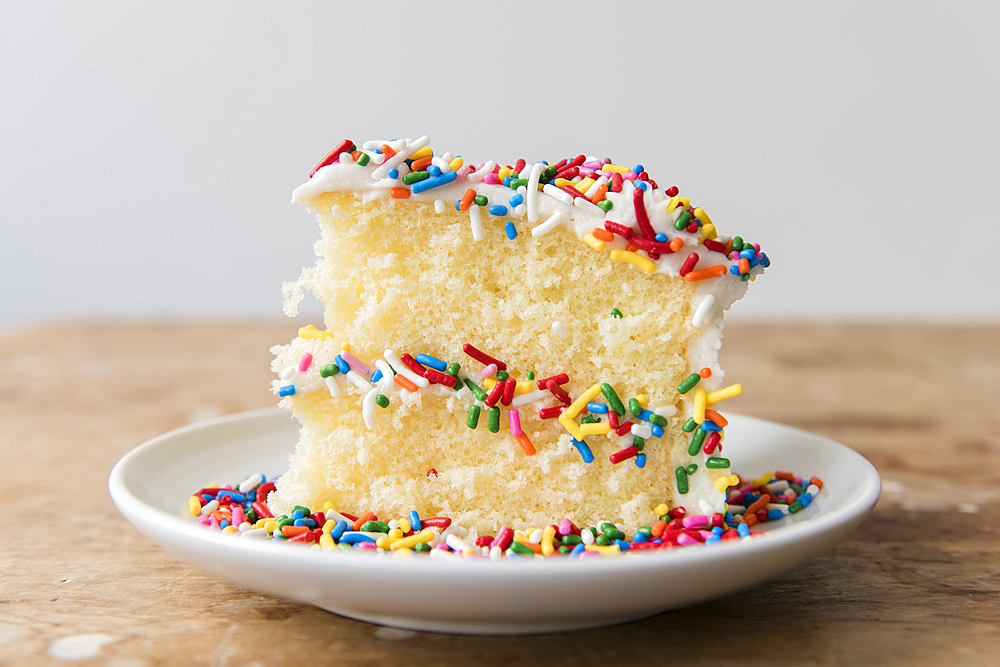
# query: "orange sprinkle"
292,531
750,519
387,151
526,445
355,155
817,481
716,417
631,248
787,476
421,164
537,548
404,383
599,195
705,372
677,244
399,193
704,274
760,504
604,235
367,516
744,265
658,528
467,198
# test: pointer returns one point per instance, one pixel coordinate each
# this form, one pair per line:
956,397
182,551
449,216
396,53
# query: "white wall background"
147,153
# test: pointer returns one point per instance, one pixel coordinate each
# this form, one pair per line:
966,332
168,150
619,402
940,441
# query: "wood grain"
918,584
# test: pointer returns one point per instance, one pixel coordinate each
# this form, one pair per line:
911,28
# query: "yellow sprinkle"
384,542
519,536
194,506
643,263
597,428
722,484
413,540
345,346
548,535
422,153
395,533
309,331
584,185
404,525
271,525
708,232
642,399
577,406
328,526
610,550
762,480
661,509
327,506
673,203
326,541
489,383
456,163
593,241
230,529
560,182
570,425
700,400
616,167
723,394
524,387
701,215
503,173
261,523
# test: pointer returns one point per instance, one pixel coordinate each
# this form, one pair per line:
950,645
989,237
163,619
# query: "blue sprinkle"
765,262
208,497
657,430
433,181
750,498
235,497
507,180
717,530
511,230
497,209
338,530
712,539
297,514
622,544
308,523
577,550
597,408
434,170
639,538
748,254
516,200
644,415
433,362
709,425
287,390
251,495
638,169
342,365
223,524
805,499
640,460
774,515
376,376
378,150
456,206
394,173
734,269
729,517
581,446
354,538
640,184
743,530
661,238
414,520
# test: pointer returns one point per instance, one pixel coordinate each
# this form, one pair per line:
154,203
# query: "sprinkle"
473,420
511,230
643,263
399,193
482,357
355,363
498,210
689,264
433,182
617,313
689,383
544,228
332,156
557,194
641,216
704,274
332,386
585,453
494,419
433,362
532,192
397,365
702,313
594,243
723,394
359,381
287,390
700,401
597,408
480,174
560,329
400,157
514,420
368,404
439,206
682,482
530,397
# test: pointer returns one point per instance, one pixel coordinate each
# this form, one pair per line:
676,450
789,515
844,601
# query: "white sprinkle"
476,216
333,386
480,174
368,407
386,382
777,486
251,482
641,430
813,490
586,537
442,554
393,524
530,397
557,218
536,536
400,157
255,533
441,164
288,373
359,382
592,209
495,554
447,157
457,543
345,158
377,158
536,173
374,144
703,313
209,507
557,194
244,527
666,411
401,368
560,329
592,190
439,206
520,210
335,516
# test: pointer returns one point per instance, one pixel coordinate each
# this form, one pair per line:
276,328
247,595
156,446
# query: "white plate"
152,483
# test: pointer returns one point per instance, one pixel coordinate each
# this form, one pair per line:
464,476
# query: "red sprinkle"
616,182
712,442
437,377
484,540
551,413
519,165
624,454
715,246
495,394
503,539
572,192
613,419
262,510
689,264
640,214
671,191
562,378
437,521
677,513
508,391
430,471
344,145
482,357
568,172
413,364
619,229
264,489
558,391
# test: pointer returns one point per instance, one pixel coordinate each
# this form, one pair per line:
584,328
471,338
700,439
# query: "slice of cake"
508,344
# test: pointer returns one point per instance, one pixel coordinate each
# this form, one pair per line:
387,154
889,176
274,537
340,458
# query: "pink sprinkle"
364,546
463,171
205,521
491,179
213,522
756,246
514,417
565,527
686,540
590,554
237,515
695,521
705,534
631,175
593,164
304,362
490,370
355,363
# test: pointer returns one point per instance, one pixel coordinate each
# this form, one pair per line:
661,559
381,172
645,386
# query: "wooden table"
918,583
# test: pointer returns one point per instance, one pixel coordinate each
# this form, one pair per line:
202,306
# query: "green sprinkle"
415,176
285,522
691,469
612,397
718,462
699,437
453,369
795,507
572,539
638,442
481,200
548,174
634,406
473,420
689,425
590,419
253,517
300,508
645,530
502,376
422,547
329,370
531,375
495,419
605,205
363,159
748,246
563,550
602,541
689,383
476,390
382,401
659,420
745,277
518,182
521,549
617,313
682,221
374,527
682,480
737,243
